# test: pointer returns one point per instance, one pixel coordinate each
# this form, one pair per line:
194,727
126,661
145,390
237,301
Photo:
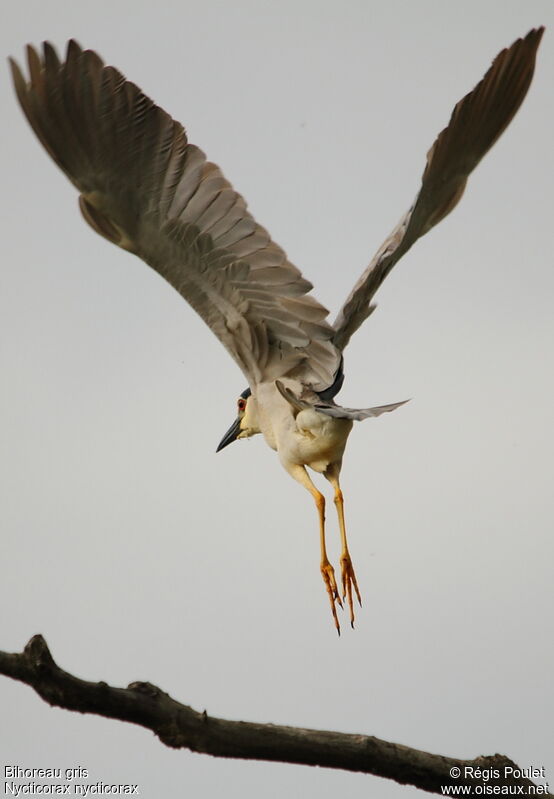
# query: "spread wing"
476,123
144,187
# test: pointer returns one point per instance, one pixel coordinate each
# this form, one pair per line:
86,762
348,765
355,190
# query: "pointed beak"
230,435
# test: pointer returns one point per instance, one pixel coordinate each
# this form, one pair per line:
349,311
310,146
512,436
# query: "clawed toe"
349,587
328,574
348,577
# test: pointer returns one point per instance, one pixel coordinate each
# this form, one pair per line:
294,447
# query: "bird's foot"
348,582
328,574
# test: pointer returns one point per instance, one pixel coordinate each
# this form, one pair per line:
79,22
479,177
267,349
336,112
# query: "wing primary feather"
476,123
144,187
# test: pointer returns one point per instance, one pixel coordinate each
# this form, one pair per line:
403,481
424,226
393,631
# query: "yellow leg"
327,572
347,569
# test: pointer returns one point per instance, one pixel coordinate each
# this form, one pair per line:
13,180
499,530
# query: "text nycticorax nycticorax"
144,187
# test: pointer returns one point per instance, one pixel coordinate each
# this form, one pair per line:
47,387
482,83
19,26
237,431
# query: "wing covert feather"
476,123
144,187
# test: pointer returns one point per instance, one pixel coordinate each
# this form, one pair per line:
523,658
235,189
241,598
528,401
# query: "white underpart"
308,439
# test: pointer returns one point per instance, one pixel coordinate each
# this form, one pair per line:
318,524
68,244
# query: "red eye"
241,404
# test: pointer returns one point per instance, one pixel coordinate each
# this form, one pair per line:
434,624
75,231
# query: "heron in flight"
145,188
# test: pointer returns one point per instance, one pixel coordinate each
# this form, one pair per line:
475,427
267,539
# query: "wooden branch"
180,726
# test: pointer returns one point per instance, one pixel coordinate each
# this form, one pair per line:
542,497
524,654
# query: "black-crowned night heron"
144,187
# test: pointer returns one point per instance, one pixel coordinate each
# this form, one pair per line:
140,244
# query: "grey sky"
138,553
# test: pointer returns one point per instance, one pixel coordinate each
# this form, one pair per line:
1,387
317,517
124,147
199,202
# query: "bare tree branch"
180,726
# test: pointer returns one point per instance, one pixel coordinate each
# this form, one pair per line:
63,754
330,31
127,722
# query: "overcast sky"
141,555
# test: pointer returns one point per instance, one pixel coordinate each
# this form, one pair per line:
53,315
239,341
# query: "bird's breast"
317,440
307,437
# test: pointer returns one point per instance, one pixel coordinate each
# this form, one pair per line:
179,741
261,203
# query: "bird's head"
245,424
